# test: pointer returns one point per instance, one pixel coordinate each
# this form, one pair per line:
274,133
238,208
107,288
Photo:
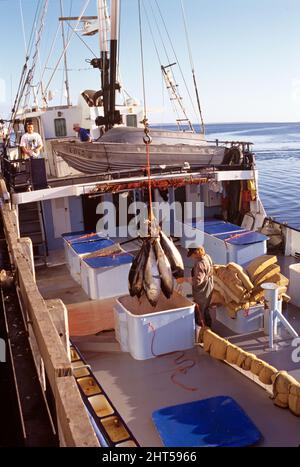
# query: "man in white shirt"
31,143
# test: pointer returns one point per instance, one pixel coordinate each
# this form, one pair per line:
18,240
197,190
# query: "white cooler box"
106,277
294,285
146,332
226,242
69,239
245,322
77,246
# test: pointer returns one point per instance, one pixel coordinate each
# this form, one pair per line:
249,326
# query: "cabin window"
131,120
60,127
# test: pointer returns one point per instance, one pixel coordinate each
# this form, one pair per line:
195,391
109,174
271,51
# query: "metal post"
273,313
271,303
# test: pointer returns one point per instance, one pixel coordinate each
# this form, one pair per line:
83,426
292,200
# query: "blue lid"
232,233
91,247
217,421
81,237
245,237
109,261
207,222
216,229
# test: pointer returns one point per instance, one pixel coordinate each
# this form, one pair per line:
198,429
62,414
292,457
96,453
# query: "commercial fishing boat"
111,369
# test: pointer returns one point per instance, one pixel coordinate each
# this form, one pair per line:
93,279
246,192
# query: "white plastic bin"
106,277
294,284
77,246
146,332
226,242
244,322
121,330
225,252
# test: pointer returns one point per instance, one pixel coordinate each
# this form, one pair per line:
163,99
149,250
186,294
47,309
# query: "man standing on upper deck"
83,134
203,284
31,142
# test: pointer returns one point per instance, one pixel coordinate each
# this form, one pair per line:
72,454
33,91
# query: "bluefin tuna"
164,268
172,254
151,283
136,273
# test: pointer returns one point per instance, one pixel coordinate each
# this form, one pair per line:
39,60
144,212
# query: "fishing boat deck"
137,388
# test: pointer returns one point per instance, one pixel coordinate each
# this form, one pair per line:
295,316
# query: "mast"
65,56
115,13
104,60
108,63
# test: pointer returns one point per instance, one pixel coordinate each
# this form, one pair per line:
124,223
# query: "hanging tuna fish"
154,267
158,261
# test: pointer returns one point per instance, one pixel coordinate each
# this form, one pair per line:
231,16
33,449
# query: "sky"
245,55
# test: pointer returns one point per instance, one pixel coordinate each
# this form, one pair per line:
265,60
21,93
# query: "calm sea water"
277,149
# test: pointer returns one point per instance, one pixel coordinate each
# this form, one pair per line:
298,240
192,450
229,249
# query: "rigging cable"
65,73
31,39
23,27
119,36
147,138
82,40
193,68
175,110
22,81
36,52
70,14
67,45
46,63
160,34
175,55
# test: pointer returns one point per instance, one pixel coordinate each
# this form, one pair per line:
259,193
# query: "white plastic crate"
224,252
106,277
74,260
146,332
71,256
244,322
77,246
121,330
294,285
225,242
